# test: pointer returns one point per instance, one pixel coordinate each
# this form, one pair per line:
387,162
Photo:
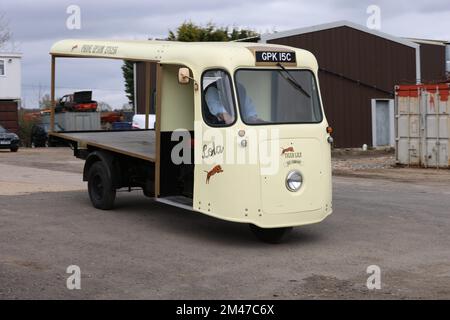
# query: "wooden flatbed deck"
136,143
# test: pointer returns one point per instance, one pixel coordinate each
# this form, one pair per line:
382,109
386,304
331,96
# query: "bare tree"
5,33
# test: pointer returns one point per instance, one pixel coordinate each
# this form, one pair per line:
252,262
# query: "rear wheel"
148,192
273,236
100,187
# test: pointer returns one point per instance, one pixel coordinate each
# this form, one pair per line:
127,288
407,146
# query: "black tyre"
14,149
272,236
149,189
148,193
100,187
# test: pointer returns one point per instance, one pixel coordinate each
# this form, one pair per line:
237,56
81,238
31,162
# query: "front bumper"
10,144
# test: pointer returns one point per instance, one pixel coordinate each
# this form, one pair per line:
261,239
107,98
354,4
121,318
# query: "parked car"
40,137
77,102
121,125
139,121
9,140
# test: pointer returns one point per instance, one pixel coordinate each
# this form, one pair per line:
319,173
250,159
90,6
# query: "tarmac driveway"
146,250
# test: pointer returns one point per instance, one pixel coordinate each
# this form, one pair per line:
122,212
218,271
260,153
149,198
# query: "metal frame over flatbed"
136,143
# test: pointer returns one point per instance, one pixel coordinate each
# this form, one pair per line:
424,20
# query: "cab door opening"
175,123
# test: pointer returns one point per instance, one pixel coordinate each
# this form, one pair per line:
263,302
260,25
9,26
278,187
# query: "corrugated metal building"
432,60
141,94
359,69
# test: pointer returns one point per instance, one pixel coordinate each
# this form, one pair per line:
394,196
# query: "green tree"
45,102
103,106
189,32
25,127
128,75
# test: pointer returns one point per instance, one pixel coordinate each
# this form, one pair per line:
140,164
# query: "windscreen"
278,96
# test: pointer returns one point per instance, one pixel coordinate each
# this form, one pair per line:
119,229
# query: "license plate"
4,142
275,57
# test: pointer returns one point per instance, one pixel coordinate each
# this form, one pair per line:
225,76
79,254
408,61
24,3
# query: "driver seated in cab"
219,110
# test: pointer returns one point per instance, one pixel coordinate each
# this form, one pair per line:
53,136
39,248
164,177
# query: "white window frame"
391,122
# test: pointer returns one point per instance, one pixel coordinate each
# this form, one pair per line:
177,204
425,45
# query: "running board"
177,201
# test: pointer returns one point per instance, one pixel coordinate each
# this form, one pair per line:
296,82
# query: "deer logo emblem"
286,150
213,171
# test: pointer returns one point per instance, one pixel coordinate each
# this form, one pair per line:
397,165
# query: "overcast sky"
36,25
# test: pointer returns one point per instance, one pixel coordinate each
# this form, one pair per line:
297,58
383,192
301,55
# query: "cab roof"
192,54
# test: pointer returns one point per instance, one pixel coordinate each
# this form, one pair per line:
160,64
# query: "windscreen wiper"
292,80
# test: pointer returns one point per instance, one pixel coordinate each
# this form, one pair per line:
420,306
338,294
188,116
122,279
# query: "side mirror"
183,76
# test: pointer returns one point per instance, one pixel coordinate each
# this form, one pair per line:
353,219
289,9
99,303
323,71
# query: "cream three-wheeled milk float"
239,134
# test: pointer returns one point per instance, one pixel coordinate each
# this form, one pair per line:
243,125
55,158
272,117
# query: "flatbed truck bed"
136,143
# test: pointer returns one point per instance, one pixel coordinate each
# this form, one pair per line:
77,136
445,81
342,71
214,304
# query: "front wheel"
14,149
273,236
100,187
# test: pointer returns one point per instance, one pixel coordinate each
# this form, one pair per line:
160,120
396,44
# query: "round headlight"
294,181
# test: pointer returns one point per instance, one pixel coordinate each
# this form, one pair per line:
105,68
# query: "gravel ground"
358,163
382,165
39,170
